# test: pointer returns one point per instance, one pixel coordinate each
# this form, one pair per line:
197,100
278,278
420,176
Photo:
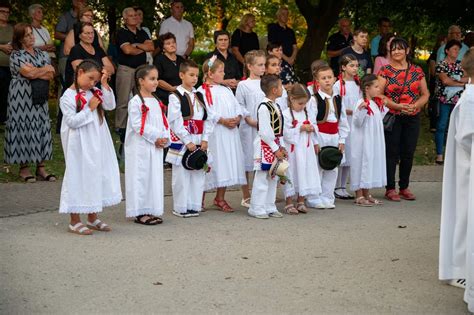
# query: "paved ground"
348,260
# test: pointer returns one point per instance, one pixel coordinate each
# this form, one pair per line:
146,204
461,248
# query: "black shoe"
193,213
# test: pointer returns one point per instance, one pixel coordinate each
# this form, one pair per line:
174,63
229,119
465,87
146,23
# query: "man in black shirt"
133,43
337,42
280,33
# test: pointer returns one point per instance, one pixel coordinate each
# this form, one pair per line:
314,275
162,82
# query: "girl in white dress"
300,135
92,178
273,66
250,95
147,134
348,88
227,167
368,143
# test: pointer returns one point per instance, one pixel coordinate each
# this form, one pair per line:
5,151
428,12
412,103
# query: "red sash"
194,127
329,127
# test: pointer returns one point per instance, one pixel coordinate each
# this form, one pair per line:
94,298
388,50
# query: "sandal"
362,202
79,228
290,209
27,179
245,203
98,226
301,207
374,201
223,205
148,220
47,178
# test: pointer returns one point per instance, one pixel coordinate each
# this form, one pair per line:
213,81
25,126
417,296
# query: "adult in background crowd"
231,65
280,33
358,49
406,93
433,106
6,35
337,42
181,28
450,87
384,24
469,39
167,62
133,45
244,39
454,32
42,37
140,12
65,24
383,57
28,128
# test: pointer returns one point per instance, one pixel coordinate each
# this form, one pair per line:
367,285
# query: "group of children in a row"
217,140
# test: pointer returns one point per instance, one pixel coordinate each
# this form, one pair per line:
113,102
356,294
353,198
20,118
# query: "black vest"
323,107
276,117
187,110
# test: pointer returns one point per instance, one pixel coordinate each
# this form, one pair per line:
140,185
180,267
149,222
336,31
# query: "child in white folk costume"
368,169
190,130
227,168
456,250
300,135
250,95
92,179
268,146
147,134
333,131
348,88
273,66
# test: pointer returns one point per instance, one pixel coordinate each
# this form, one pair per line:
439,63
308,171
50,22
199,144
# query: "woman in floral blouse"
450,86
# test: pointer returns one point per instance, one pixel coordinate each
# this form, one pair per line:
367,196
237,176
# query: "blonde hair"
281,9
467,62
250,59
245,19
212,68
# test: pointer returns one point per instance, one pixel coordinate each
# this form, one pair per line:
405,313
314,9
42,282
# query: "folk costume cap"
194,160
329,158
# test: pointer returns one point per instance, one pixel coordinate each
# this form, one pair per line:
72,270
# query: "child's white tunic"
92,178
143,160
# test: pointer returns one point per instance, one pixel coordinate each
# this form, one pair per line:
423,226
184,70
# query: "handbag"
389,118
39,91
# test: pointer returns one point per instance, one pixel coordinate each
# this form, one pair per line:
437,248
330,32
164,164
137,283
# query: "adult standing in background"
383,58
244,39
337,42
358,49
280,33
140,12
133,45
6,35
454,32
181,28
42,37
384,25
231,65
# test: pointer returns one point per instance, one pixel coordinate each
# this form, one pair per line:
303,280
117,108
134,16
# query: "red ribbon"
293,123
370,112
207,89
80,96
307,122
357,79
145,110
342,86
163,110
98,93
314,84
379,103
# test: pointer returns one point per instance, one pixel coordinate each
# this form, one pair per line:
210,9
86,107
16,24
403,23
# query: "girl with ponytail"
92,178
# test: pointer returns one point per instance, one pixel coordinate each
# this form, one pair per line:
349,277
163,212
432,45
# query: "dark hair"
268,82
82,25
298,91
382,51
140,73
367,81
360,30
469,39
19,31
273,45
138,8
382,20
344,61
452,43
6,4
164,37
399,43
220,33
88,65
186,64
268,58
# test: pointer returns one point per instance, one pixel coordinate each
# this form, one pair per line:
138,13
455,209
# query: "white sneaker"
459,283
260,216
330,206
314,204
275,214
245,203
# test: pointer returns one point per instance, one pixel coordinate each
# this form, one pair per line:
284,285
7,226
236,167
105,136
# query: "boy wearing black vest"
333,131
268,145
190,130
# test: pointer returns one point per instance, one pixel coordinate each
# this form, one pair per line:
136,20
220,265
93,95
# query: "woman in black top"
167,63
244,39
86,15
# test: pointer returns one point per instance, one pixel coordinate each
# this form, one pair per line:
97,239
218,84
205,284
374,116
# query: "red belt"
194,127
329,127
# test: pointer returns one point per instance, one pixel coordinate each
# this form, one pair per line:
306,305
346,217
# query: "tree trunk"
220,15
320,19
112,22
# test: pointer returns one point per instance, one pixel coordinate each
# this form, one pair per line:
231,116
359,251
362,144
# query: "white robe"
349,101
301,155
143,160
92,177
227,168
282,101
249,95
367,159
456,255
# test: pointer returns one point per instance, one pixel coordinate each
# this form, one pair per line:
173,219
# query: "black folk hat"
329,158
194,160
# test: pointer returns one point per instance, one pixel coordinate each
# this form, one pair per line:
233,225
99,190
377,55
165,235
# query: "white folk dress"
282,101
368,167
456,250
227,167
301,155
349,101
143,160
92,178
249,95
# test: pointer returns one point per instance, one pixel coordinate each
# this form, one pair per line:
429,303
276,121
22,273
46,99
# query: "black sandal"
27,179
152,220
47,178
